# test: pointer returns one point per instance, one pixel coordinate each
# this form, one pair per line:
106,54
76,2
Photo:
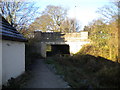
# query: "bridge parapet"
61,37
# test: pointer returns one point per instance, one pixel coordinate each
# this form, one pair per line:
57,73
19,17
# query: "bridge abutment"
43,49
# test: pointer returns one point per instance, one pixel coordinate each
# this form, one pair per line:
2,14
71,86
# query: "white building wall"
0,64
13,59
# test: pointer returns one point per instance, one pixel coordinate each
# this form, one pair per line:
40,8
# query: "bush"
18,82
95,51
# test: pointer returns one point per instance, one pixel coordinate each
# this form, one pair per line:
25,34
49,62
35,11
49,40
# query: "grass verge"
84,71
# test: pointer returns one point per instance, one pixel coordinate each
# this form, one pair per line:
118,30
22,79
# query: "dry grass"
88,71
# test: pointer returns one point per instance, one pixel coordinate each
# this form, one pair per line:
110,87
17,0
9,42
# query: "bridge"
51,43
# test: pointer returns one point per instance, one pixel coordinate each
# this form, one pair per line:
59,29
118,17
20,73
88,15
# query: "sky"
83,10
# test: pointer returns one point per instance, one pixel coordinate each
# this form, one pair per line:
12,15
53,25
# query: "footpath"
43,77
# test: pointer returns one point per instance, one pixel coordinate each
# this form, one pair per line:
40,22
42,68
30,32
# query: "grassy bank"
83,71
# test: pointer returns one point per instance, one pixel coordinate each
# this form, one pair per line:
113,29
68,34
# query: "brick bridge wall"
74,40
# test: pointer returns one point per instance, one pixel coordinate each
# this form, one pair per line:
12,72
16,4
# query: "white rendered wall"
43,49
0,64
76,46
84,35
13,59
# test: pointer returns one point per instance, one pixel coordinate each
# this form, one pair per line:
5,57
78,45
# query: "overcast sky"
82,10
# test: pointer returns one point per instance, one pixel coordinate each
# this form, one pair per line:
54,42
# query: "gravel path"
43,77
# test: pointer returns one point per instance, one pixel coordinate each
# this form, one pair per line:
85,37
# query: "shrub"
94,50
18,82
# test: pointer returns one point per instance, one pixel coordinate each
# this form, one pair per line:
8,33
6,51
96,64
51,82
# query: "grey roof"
8,32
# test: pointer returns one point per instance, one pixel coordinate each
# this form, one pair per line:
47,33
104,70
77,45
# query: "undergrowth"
84,71
17,83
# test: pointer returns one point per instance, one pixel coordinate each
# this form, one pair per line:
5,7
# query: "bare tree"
18,13
111,11
57,14
54,19
69,25
43,23
112,15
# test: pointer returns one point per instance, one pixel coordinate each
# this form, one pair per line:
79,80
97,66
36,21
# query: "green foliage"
104,39
84,71
99,32
48,47
95,50
104,33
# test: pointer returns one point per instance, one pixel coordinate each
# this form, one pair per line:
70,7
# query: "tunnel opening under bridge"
58,49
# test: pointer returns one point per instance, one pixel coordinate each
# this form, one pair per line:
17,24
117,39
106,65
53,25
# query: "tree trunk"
119,32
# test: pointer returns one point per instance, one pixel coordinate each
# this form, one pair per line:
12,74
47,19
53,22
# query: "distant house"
12,51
